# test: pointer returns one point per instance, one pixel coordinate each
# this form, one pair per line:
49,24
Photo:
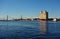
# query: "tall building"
43,15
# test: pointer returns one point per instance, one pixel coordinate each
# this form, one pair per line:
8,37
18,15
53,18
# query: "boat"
54,19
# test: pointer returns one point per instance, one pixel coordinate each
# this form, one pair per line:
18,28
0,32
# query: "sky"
29,8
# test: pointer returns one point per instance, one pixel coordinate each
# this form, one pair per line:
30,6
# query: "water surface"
29,30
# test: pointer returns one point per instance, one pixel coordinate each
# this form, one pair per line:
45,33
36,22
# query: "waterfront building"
43,15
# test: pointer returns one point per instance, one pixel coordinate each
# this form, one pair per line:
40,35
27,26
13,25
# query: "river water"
29,30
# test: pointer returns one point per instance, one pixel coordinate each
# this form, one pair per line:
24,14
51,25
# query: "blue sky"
29,8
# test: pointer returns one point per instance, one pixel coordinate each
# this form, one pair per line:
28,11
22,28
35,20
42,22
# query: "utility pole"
21,17
7,17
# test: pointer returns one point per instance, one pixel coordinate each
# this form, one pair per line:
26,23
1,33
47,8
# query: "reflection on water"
29,30
49,29
43,27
